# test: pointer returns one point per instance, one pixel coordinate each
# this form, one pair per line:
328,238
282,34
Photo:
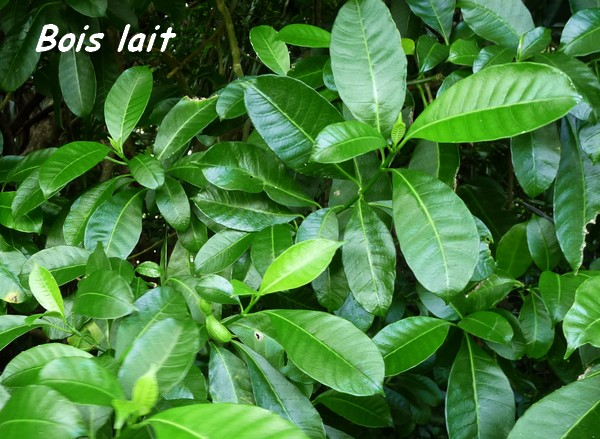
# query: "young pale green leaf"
345,140
369,411
497,102
298,265
104,295
145,391
270,50
63,261
90,8
581,34
512,254
576,196
479,401
222,421
45,289
82,380
503,23
174,205
440,160
28,223
430,53
369,258
437,233
580,325
487,325
410,341
228,377
68,163
330,350
535,158
542,242
437,15
537,326
273,391
147,171
549,418
268,244
39,411
222,250
117,223
368,63
126,102
533,42
304,35
77,80
180,125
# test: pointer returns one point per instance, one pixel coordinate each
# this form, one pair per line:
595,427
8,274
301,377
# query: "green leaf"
187,169
228,378
490,292
491,56
436,14
463,52
145,392
180,125
345,140
497,102
430,53
581,323
368,63
77,82
298,265
268,245
576,197
28,164
126,102
537,326
440,160
274,392
104,295
230,103
535,158
28,223
173,204
479,401
487,325
330,350
368,411
558,291
533,42
147,171
589,138
304,35
195,236
581,34
117,224
222,250
548,417
149,269
503,23
64,262
69,162
39,411
322,223
437,234
82,380
90,8
512,254
369,258
13,326
410,341
222,421
240,210
542,242
270,50
29,195
45,290
170,346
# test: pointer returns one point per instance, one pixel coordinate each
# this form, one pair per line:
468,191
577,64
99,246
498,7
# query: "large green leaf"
549,418
330,350
270,50
441,160
581,34
298,265
104,295
68,163
512,253
29,195
369,258
181,124
537,326
496,102
173,204
437,234
222,421
29,223
77,82
274,392
228,377
436,14
558,292
535,158
126,102
222,250
345,140
269,244
64,262
582,322
487,325
542,242
368,411
117,224
576,196
368,63
479,401
410,341
501,22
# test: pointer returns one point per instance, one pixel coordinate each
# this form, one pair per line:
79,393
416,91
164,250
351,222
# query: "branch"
233,44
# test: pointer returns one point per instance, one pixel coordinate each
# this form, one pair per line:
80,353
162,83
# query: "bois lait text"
138,42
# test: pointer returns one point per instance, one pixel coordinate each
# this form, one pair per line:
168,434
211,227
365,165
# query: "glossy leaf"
29,195
491,56
558,292
436,14
440,160
410,341
581,33
45,289
228,377
28,223
537,326
368,411
270,49
497,102
173,204
368,63
369,258
489,292
77,82
147,171
589,138
463,52
487,325
345,140
533,42
322,223
230,103
95,8
580,325
512,254
222,250
64,262
542,242
304,35
104,296
268,245
437,234
430,53
13,326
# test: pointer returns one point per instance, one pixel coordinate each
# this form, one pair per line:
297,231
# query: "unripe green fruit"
217,331
205,307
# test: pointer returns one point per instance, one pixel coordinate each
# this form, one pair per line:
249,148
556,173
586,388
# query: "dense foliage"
378,224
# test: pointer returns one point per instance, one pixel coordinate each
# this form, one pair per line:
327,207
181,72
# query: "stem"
156,244
253,302
4,101
233,44
437,78
119,162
